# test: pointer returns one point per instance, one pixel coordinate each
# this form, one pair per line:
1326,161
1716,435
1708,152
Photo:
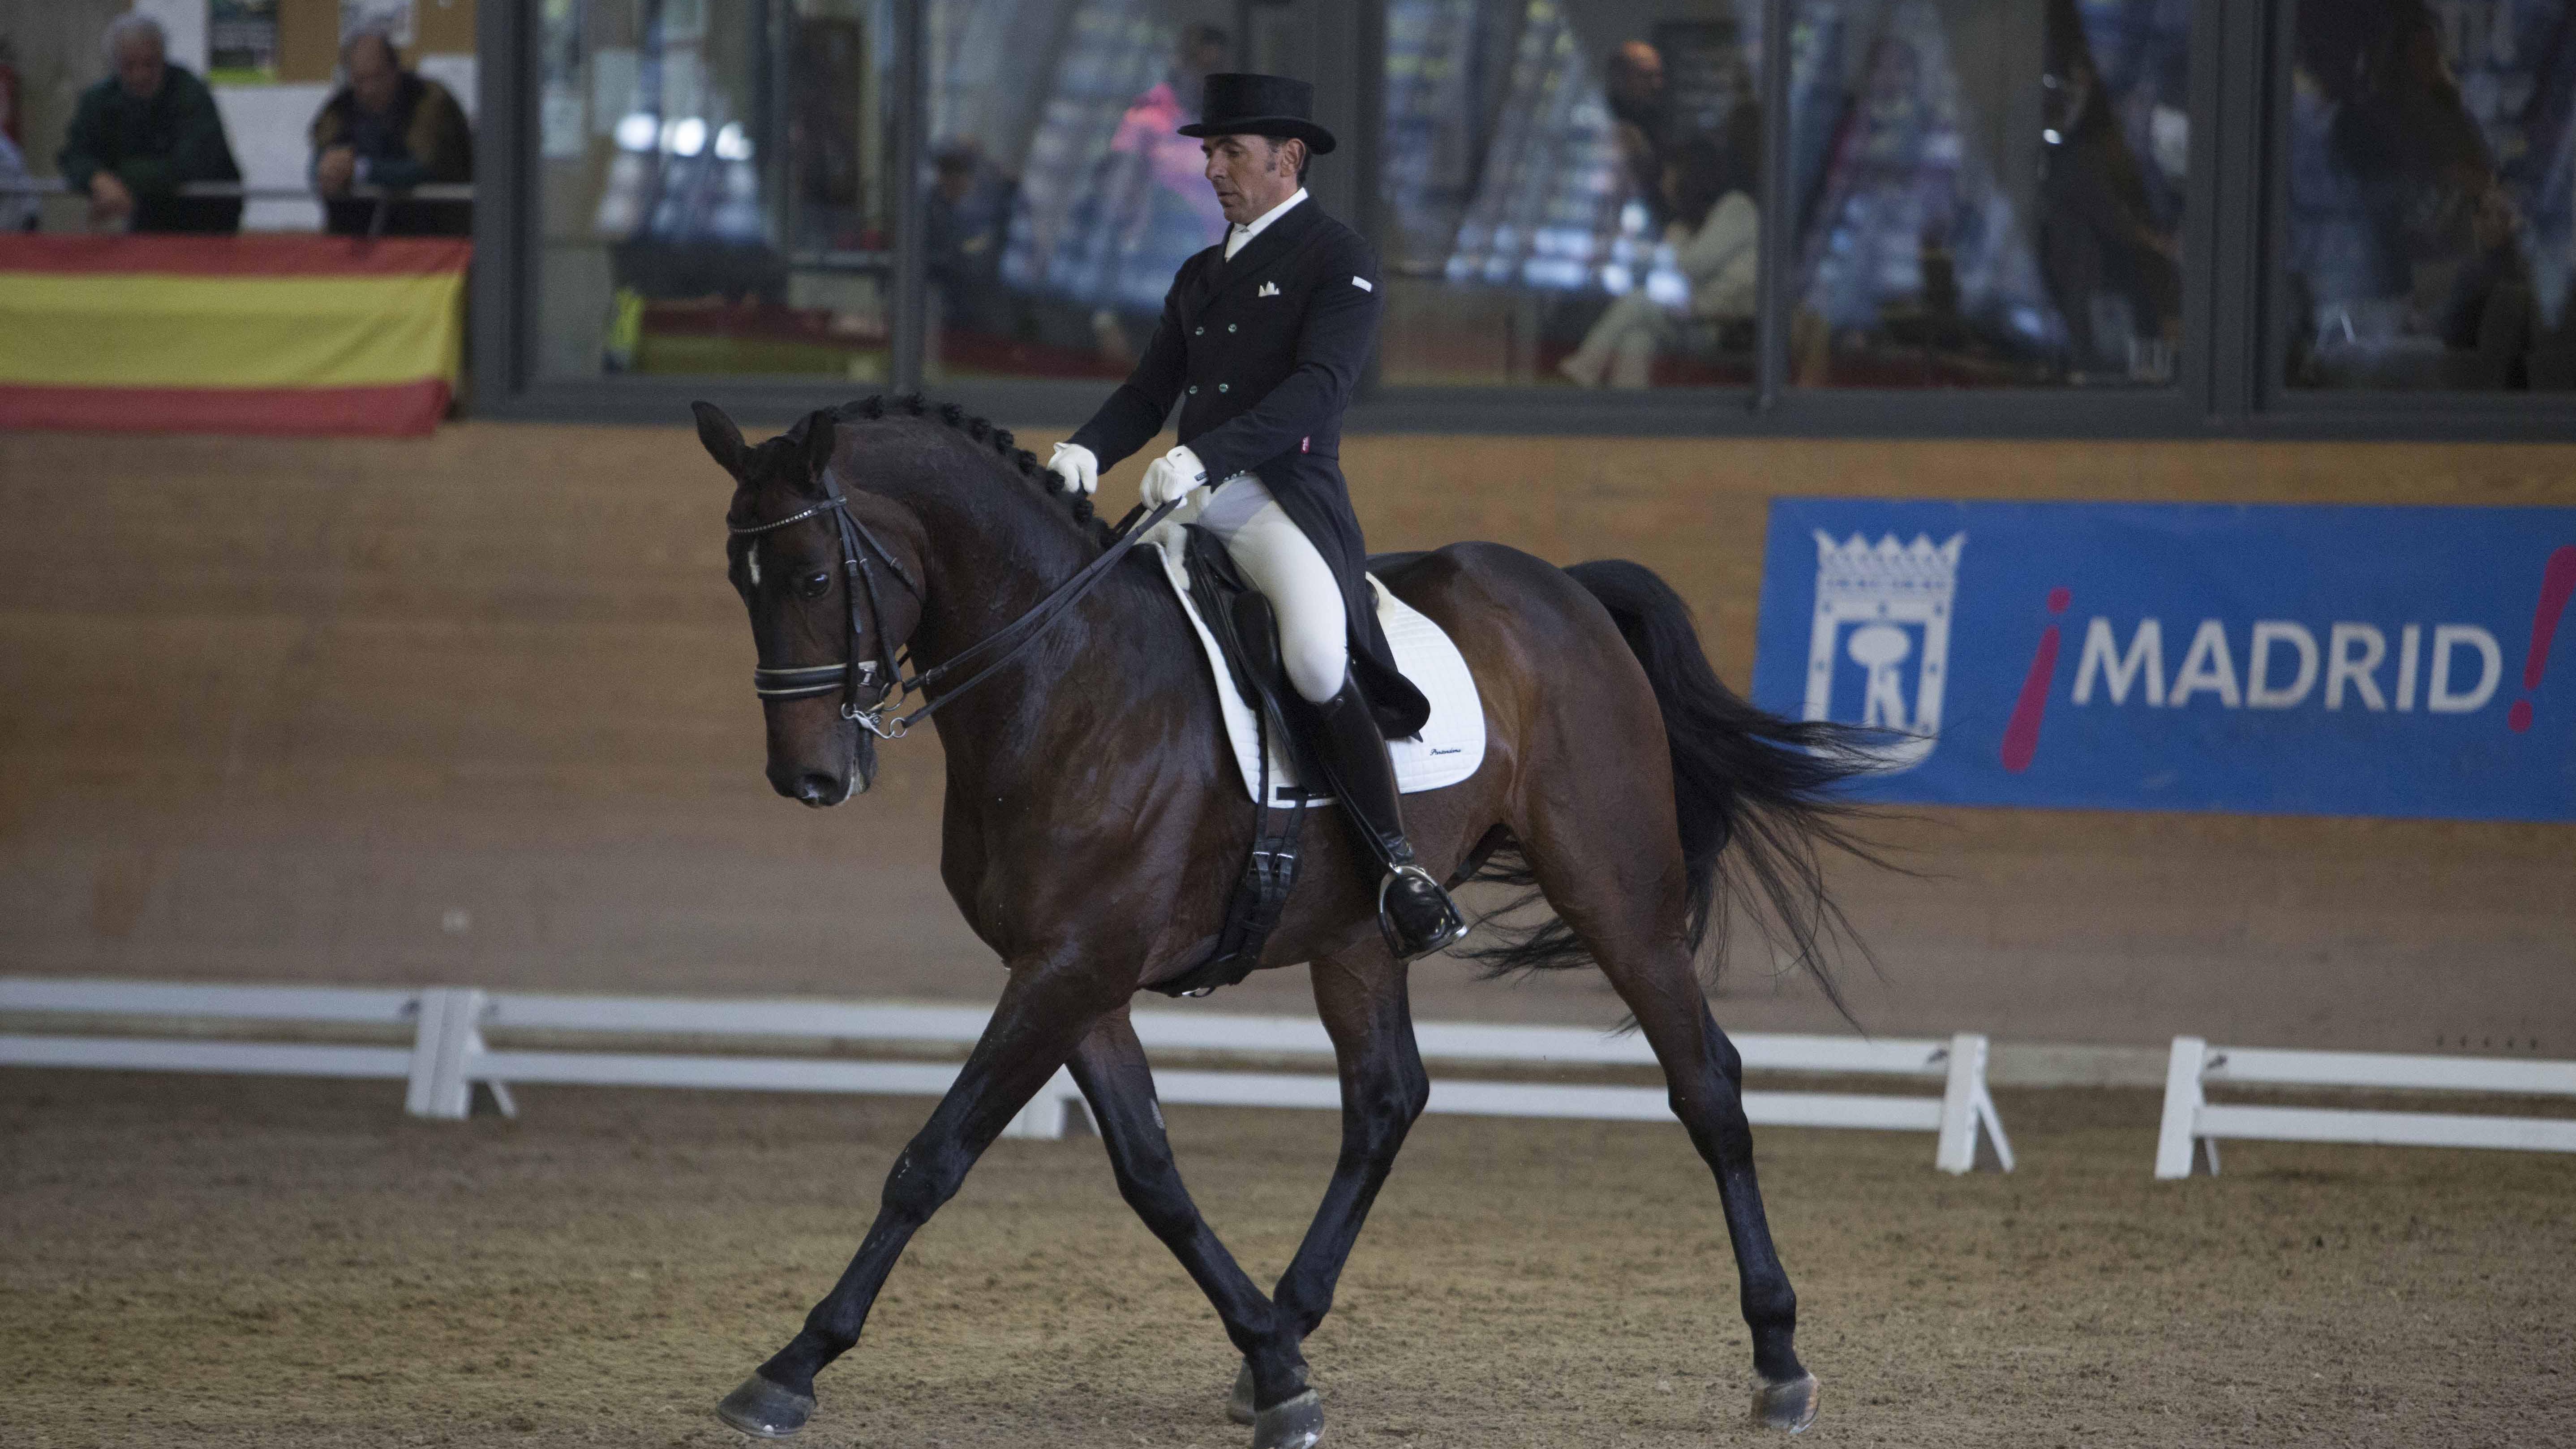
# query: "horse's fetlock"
793,1368
1771,1307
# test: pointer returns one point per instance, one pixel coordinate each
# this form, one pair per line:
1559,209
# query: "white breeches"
1275,554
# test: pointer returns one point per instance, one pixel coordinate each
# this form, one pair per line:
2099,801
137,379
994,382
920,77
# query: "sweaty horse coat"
1262,352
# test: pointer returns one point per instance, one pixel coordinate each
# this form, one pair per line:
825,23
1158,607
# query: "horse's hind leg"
1115,1078
1629,907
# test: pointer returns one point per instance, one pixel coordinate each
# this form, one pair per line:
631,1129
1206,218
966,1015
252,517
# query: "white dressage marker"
449,1055
2190,1118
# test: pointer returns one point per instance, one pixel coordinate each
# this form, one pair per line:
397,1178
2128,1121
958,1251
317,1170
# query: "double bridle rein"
865,685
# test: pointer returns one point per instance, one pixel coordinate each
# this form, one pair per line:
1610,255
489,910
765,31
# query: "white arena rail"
2190,1118
449,1055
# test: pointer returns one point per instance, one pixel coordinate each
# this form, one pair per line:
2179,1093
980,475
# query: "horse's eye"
813,585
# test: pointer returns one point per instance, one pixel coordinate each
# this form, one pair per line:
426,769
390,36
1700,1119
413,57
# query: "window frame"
2229,381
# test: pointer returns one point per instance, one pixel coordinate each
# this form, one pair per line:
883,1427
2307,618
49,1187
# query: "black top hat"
1238,104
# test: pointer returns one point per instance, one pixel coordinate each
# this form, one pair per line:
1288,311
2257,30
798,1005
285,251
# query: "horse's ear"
822,437
723,440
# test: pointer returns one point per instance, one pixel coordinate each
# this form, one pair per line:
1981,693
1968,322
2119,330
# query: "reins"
855,675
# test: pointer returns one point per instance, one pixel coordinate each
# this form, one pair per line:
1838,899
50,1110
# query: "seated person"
143,133
19,206
1715,237
389,127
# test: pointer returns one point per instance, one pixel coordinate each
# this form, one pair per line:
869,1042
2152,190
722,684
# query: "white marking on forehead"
751,561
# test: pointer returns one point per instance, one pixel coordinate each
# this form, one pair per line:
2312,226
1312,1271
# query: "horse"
1093,827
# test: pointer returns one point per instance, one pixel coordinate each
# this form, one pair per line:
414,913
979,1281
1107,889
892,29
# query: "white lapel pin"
1268,289
1363,284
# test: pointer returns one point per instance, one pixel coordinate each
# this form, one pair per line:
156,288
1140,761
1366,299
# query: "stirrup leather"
1448,935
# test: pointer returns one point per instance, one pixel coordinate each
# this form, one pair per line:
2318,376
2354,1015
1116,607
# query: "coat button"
1194,390
1229,327
1220,387
1202,332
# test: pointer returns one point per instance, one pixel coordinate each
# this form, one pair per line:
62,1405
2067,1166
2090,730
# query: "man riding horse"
1262,339
1625,784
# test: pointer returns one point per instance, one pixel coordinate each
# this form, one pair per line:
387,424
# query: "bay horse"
1094,826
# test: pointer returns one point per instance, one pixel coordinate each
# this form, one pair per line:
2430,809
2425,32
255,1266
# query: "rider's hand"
1078,466
1171,476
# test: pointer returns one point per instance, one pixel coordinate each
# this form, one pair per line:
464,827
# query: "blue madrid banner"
2284,660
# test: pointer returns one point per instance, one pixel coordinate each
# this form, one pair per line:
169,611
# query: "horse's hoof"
764,1410
1790,1405
1290,1424
1238,1405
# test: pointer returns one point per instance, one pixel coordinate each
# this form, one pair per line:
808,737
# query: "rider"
1261,341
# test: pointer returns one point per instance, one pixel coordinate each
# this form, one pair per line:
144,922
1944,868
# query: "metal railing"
383,196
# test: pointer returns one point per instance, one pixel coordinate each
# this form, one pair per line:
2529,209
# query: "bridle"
865,691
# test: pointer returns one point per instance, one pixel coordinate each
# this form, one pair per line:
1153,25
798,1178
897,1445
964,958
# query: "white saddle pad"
1452,743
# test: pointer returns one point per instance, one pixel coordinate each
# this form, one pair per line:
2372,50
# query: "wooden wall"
475,709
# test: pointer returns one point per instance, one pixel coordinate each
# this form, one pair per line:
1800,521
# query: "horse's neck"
991,555
994,550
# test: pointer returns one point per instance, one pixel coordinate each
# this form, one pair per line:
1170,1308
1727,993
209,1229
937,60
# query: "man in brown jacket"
392,128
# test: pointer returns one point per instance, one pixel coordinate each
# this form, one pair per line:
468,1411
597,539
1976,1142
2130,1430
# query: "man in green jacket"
143,133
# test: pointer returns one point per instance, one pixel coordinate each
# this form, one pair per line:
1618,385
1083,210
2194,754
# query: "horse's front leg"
1116,1079
1361,995
1044,1013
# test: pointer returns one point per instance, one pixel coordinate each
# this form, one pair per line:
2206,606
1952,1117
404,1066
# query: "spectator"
18,204
2115,275
1641,123
1157,208
394,128
965,226
1715,237
2444,237
143,133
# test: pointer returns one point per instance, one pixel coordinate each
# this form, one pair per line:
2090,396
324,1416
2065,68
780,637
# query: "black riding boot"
1416,914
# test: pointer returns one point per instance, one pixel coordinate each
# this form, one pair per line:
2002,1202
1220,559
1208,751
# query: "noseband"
864,690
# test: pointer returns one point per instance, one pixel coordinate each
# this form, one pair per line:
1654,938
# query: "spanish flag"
230,334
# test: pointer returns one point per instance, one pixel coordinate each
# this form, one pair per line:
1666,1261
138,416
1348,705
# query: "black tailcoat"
1262,353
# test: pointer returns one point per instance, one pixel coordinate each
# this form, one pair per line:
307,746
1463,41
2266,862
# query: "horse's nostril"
818,789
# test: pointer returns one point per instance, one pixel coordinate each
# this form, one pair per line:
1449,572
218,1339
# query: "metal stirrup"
1456,932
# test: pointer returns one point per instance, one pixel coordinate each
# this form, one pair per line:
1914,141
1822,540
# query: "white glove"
1078,466
1170,477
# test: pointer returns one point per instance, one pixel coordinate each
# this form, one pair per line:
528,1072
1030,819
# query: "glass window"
714,187
1570,193
1059,199
2432,148
1989,192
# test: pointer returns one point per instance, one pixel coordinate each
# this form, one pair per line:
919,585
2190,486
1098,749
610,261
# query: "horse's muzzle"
795,772
814,788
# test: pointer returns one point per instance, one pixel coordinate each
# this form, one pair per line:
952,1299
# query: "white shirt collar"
1237,238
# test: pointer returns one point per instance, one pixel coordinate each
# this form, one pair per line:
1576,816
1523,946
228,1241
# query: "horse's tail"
1741,776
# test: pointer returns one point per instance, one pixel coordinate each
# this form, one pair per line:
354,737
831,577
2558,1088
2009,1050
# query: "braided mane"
981,430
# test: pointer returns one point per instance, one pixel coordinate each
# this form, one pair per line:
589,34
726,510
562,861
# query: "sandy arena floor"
232,1262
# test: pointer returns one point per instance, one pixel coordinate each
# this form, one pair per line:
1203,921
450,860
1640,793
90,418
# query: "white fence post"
1966,1109
445,1044
2182,1108
1044,1118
